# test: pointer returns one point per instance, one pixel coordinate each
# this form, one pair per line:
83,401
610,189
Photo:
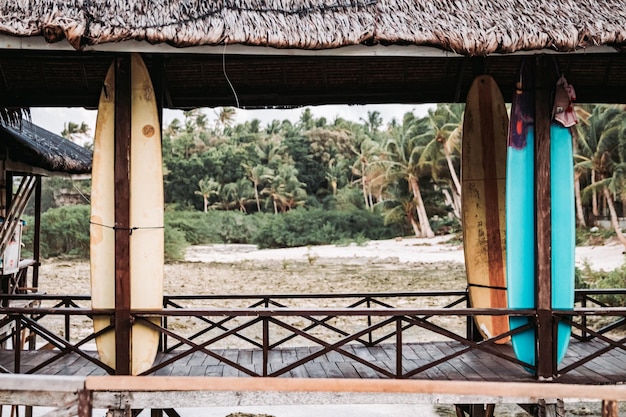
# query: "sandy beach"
397,251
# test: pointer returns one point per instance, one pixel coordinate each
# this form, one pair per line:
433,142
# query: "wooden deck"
474,365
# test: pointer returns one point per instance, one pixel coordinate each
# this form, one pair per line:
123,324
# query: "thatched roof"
37,147
470,27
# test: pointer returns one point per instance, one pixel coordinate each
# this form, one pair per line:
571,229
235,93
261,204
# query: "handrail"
380,316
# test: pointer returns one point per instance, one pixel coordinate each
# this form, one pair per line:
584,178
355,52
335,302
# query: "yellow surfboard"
146,215
483,177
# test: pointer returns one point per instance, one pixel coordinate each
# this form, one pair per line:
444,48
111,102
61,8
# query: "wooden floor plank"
609,368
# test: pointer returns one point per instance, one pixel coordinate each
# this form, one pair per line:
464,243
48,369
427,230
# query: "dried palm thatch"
470,27
12,116
32,145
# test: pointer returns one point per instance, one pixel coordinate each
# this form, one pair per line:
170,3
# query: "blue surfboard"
520,221
563,228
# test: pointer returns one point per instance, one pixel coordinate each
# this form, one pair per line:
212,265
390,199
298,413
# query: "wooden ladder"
18,204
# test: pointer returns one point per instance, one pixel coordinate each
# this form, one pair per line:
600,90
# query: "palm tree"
257,175
208,188
372,122
284,189
603,154
75,132
226,117
240,193
404,150
445,131
335,173
367,167
400,205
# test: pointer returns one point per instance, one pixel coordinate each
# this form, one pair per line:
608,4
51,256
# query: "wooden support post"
544,83
85,403
609,408
37,234
122,215
8,199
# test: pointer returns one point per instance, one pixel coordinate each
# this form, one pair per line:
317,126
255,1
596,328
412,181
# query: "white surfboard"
146,215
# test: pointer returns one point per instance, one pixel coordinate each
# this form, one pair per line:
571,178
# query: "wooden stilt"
85,403
609,408
122,215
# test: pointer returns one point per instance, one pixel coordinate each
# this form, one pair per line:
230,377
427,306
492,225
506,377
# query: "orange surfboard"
483,178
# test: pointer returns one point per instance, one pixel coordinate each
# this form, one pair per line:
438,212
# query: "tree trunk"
206,203
414,225
275,206
256,196
614,221
422,216
455,177
594,197
450,200
363,185
580,214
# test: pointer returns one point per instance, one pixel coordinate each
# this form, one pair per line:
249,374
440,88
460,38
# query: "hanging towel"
563,110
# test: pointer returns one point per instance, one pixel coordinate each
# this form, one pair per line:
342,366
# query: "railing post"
67,304
368,303
583,304
266,344
163,336
398,347
17,346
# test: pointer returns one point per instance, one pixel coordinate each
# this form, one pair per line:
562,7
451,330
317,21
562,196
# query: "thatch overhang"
468,27
31,148
305,52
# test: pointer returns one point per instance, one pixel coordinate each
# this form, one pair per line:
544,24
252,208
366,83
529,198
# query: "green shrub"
175,244
65,231
302,227
588,278
595,236
214,226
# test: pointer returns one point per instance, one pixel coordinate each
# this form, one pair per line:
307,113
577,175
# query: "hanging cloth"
563,110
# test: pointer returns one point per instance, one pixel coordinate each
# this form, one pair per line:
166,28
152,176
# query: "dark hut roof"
37,147
468,27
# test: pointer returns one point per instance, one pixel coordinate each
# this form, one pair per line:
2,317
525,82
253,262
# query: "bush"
595,236
65,231
587,278
302,227
214,226
175,244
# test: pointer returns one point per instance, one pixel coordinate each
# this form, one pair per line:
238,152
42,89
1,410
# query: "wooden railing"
269,322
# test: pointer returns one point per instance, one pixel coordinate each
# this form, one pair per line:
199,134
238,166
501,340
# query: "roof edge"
38,43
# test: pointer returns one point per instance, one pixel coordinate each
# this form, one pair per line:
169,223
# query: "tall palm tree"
284,189
404,149
208,187
239,193
603,154
366,166
445,131
257,175
373,122
226,117
400,205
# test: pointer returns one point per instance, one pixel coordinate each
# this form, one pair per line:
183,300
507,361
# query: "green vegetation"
317,181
